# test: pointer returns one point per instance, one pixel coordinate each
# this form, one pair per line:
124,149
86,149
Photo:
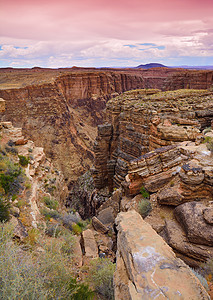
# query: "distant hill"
151,65
156,65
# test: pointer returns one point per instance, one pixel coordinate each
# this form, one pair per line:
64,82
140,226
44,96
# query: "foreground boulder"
191,216
146,266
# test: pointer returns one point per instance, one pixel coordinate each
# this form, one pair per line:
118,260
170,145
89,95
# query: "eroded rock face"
62,115
60,109
147,268
190,216
141,121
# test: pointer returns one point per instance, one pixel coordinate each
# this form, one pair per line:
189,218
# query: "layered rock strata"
143,120
178,177
147,268
60,109
40,179
62,116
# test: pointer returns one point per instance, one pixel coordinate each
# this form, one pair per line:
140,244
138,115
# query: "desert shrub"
210,145
4,210
101,276
10,143
69,219
23,160
76,229
68,242
19,279
144,207
50,203
27,185
11,150
80,291
27,275
53,230
202,279
11,177
206,130
144,192
32,238
206,269
50,214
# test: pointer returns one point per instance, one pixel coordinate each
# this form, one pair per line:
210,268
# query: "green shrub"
206,130
101,276
11,150
37,276
210,145
207,139
23,160
80,291
144,207
53,230
50,214
144,192
76,229
50,203
4,210
11,177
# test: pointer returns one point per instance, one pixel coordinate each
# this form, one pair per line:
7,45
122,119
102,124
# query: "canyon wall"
143,120
62,116
60,109
155,142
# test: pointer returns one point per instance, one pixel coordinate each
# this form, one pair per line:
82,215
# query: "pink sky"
105,33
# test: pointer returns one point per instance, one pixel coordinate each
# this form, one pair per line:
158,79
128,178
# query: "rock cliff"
143,120
156,141
147,268
62,116
60,109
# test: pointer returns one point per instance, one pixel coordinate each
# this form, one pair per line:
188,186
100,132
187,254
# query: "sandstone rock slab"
90,245
147,268
190,216
176,238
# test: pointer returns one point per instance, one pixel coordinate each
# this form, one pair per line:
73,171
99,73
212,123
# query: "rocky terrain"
60,109
147,268
142,120
155,146
159,145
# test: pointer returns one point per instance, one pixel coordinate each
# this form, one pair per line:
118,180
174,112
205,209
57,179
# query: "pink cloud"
88,27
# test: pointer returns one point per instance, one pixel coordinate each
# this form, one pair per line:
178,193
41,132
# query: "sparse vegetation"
48,213
76,229
202,279
11,176
209,143
44,275
206,269
50,203
4,210
144,193
23,160
101,277
144,207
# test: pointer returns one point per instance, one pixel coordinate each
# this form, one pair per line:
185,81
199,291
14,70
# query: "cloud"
103,32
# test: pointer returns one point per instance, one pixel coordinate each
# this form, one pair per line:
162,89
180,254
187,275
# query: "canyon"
60,109
148,134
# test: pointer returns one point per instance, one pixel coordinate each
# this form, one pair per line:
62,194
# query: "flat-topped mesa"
140,121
